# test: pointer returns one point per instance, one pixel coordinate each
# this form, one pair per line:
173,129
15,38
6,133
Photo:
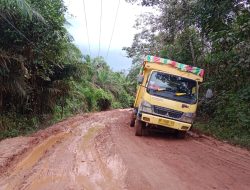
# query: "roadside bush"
116,105
14,125
103,99
232,109
125,99
231,117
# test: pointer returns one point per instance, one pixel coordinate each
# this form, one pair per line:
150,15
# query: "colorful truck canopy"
180,66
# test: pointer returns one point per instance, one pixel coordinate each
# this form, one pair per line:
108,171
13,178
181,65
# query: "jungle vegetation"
43,76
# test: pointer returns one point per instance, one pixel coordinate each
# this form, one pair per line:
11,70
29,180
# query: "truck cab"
167,96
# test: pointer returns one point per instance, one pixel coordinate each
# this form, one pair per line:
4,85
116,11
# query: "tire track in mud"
16,149
68,160
100,151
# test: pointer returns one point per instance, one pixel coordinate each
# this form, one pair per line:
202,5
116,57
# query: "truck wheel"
139,127
132,120
181,134
132,123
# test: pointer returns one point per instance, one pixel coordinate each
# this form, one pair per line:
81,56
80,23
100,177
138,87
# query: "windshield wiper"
162,89
180,94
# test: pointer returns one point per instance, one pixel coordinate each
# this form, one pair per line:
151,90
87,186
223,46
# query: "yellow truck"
167,96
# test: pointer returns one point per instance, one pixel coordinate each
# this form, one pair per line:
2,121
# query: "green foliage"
186,48
95,88
33,60
103,99
13,125
43,76
22,7
233,109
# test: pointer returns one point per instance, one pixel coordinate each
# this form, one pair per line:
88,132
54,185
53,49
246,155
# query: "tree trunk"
62,113
1,110
192,51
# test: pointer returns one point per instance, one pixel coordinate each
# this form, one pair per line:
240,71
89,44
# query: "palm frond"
13,72
11,7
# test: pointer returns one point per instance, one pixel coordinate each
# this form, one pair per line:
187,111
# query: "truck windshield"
172,87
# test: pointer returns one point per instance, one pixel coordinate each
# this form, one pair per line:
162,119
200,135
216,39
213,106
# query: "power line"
100,31
113,28
86,24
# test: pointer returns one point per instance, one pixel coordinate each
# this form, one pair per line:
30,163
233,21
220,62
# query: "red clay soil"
100,151
14,149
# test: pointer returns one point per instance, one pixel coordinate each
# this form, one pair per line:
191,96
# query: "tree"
35,49
10,8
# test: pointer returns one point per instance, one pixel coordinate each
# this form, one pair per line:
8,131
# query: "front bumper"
157,120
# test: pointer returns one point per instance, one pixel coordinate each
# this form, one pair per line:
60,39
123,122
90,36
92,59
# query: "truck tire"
132,123
132,120
139,127
181,134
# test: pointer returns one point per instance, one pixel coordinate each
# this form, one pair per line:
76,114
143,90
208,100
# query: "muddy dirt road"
100,151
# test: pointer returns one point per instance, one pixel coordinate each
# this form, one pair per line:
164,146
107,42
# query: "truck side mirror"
209,94
140,79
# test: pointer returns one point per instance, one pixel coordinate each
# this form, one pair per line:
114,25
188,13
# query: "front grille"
167,112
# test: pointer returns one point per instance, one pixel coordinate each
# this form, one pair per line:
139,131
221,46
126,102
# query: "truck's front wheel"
132,120
139,127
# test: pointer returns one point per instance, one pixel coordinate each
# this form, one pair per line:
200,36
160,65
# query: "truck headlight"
146,107
188,117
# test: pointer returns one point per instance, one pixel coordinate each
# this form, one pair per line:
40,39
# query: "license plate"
166,122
